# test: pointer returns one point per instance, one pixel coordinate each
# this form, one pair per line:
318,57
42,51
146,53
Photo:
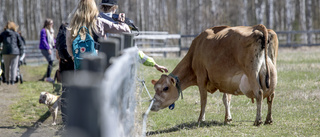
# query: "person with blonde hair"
46,46
87,14
13,46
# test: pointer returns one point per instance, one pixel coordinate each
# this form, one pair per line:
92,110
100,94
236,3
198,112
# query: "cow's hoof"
257,123
228,121
268,122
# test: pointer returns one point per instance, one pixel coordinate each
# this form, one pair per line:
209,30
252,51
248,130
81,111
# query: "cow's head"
166,92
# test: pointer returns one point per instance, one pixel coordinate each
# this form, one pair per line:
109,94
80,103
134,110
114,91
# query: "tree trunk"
289,18
21,17
200,16
302,20
271,14
2,9
309,20
142,16
244,13
260,6
38,17
164,23
181,18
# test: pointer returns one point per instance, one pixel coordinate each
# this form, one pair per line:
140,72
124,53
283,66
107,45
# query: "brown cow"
236,60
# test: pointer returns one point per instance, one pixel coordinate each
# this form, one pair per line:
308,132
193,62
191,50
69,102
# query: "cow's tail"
264,30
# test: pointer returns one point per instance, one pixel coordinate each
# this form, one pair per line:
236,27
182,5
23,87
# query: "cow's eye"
165,89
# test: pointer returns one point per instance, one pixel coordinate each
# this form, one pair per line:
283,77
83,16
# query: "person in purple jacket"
46,46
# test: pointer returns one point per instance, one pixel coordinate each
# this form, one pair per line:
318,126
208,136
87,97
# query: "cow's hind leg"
269,116
259,98
226,101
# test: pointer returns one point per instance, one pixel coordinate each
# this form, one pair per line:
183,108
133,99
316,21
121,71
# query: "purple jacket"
44,40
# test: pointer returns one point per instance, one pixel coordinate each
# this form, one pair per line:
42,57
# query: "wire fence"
118,96
103,96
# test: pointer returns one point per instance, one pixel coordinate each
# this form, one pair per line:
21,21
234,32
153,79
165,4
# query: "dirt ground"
9,94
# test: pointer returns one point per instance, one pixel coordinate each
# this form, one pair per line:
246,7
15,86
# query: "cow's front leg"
226,101
269,116
203,100
259,98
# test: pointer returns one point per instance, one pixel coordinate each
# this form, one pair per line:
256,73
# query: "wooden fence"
156,43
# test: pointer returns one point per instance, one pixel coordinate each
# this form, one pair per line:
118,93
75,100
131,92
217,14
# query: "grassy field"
295,109
28,110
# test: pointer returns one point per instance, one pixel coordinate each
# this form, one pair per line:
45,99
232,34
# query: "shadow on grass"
188,126
34,127
57,88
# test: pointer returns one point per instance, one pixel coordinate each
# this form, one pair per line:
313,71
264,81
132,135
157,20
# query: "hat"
109,2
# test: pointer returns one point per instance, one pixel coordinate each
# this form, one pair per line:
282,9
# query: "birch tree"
309,20
38,17
260,6
271,14
200,16
244,13
302,16
2,9
289,17
21,17
180,17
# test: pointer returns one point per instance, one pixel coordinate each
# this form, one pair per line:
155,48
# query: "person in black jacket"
65,60
13,46
65,64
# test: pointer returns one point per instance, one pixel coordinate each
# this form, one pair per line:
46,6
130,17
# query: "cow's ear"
173,81
154,81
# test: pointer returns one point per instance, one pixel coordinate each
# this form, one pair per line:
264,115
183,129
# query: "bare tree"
271,14
200,16
38,16
21,17
177,16
142,15
289,18
244,13
302,20
2,9
260,6
309,20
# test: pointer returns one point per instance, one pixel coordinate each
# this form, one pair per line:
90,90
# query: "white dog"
53,103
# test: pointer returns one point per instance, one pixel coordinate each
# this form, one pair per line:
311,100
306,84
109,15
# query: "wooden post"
180,46
128,40
110,47
120,38
83,102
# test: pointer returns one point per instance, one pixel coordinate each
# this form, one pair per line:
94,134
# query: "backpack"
79,47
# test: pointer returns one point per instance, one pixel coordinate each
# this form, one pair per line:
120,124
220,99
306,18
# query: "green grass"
295,109
28,110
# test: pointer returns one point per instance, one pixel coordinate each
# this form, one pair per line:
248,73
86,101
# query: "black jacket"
61,43
12,42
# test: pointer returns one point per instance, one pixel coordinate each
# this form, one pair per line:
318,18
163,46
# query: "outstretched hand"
161,68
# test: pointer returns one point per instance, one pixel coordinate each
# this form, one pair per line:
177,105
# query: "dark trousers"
65,65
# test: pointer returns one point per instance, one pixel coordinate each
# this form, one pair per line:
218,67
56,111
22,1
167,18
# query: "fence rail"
161,43
158,42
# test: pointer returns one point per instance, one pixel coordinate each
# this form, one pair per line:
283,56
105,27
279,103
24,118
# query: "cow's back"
221,54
